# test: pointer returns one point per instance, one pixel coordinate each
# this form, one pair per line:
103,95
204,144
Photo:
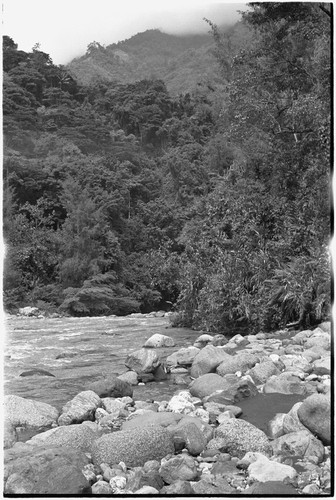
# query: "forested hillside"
122,197
182,62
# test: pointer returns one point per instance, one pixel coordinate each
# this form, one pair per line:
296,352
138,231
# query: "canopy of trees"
121,198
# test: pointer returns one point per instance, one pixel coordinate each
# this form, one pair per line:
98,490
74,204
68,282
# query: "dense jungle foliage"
121,197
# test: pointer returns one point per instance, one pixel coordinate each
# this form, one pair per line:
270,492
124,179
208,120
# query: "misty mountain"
180,61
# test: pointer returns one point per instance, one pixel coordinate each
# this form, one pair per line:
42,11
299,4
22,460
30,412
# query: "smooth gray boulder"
239,362
28,413
182,467
302,444
315,414
81,407
239,437
76,436
159,340
207,360
144,360
134,447
261,372
31,470
113,387
183,357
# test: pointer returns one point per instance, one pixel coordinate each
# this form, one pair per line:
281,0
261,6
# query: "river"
78,351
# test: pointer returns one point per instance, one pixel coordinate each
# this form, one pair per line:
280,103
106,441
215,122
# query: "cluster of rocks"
194,443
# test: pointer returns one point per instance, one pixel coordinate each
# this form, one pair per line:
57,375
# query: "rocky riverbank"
196,442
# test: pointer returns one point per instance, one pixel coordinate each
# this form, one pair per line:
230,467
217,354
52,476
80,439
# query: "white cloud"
64,28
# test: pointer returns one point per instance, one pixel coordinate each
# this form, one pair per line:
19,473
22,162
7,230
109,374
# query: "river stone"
101,488
182,467
181,403
164,419
134,447
147,490
271,488
219,340
29,311
322,366
239,362
81,407
45,471
79,437
203,340
28,413
291,421
293,361
10,436
319,338
302,444
183,357
212,486
179,487
159,340
234,389
263,468
190,435
130,377
301,337
207,360
241,436
144,360
315,415
111,387
275,427
261,372
285,383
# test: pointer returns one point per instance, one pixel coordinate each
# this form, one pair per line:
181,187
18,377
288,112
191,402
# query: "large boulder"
164,419
183,357
182,467
238,437
315,415
207,360
114,387
271,488
181,403
203,340
291,421
302,444
319,338
226,390
285,383
81,407
159,340
130,377
79,437
10,435
31,470
28,413
322,366
134,447
295,362
144,360
261,469
212,486
261,372
188,435
239,362
29,311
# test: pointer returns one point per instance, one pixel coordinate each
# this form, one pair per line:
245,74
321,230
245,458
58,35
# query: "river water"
78,351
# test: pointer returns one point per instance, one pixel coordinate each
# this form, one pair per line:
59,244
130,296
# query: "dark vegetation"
119,197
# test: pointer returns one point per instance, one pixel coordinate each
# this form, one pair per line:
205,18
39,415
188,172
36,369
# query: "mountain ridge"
181,61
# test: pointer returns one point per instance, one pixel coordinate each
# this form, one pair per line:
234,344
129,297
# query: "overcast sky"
64,28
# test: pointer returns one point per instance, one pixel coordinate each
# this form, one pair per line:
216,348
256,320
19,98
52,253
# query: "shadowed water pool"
78,351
